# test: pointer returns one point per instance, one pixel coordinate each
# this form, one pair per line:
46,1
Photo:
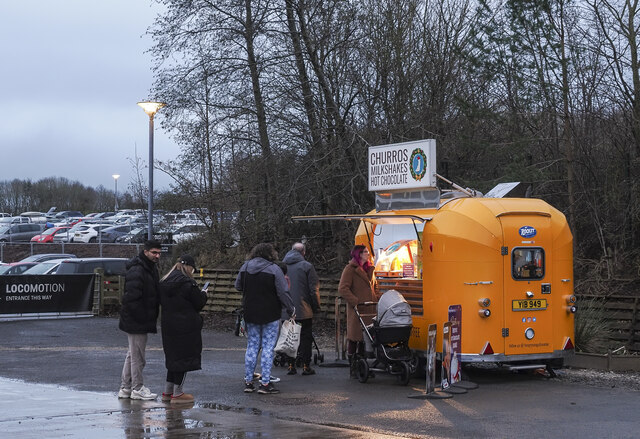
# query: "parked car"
19,232
88,232
104,215
16,268
135,236
42,257
15,220
109,234
66,214
186,233
46,267
111,266
49,234
36,217
65,235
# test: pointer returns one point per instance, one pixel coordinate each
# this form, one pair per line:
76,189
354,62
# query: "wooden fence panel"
621,314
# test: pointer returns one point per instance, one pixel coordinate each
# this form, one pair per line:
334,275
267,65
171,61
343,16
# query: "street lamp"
150,108
115,177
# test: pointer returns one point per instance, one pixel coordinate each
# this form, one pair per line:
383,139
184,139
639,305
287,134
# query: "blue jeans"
260,337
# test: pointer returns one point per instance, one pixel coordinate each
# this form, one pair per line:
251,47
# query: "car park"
42,257
19,232
111,266
16,268
49,234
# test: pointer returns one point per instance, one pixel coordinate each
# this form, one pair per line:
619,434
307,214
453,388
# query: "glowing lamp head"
151,107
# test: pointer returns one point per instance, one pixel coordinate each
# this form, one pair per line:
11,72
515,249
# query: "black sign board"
46,293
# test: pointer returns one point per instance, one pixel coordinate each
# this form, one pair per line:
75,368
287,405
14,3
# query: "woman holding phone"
181,301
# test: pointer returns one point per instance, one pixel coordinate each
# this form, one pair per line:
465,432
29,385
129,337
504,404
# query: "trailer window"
527,263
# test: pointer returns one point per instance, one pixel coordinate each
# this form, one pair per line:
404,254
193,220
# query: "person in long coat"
356,286
181,301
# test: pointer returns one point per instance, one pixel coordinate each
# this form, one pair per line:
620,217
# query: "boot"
307,370
292,369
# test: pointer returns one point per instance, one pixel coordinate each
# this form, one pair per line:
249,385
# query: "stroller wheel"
315,358
321,358
363,370
405,373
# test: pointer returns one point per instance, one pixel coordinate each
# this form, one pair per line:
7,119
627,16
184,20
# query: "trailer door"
527,256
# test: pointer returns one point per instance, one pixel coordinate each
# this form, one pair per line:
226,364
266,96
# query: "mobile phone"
206,285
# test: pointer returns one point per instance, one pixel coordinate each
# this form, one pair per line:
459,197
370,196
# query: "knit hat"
188,260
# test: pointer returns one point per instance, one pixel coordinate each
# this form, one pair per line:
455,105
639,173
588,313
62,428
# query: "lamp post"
115,177
150,108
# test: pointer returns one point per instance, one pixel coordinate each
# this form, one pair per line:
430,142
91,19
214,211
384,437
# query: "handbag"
289,338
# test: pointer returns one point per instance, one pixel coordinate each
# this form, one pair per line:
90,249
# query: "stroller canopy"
393,310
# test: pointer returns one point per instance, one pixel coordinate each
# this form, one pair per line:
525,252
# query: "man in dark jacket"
305,294
138,317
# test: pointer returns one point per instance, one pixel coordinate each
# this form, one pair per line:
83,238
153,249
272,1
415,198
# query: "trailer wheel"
363,370
405,373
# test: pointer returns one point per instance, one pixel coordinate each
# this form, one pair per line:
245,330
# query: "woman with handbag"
264,294
181,301
356,286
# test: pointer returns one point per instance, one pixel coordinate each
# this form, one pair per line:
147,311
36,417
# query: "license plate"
529,304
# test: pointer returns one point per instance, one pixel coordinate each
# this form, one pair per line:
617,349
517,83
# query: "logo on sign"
527,232
418,164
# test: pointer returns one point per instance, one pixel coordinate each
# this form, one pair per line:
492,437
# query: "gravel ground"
324,334
600,378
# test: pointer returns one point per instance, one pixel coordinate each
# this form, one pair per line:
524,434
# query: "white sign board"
408,165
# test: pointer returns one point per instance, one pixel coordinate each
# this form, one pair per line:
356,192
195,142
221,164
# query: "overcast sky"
71,74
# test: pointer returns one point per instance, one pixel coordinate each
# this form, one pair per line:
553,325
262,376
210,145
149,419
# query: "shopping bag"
289,338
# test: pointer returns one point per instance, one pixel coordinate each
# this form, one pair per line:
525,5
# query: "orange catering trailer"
505,265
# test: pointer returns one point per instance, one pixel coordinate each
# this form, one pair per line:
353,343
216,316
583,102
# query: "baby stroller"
386,340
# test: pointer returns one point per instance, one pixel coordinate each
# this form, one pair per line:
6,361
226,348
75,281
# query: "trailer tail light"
571,299
568,345
484,312
484,302
571,309
487,349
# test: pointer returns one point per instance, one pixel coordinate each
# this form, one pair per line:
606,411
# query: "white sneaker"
144,393
273,379
124,393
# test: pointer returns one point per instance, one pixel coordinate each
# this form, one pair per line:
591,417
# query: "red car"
47,235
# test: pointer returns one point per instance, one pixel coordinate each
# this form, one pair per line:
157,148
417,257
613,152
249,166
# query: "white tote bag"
289,338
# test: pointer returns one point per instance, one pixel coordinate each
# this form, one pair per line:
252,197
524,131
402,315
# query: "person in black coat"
138,317
181,301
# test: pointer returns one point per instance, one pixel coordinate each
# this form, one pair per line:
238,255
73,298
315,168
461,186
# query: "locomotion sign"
408,165
45,293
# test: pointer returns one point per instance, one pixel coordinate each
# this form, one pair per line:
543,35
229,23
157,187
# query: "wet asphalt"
60,378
